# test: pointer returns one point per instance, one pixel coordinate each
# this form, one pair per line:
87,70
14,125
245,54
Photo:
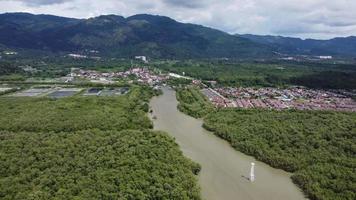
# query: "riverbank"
224,170
316,146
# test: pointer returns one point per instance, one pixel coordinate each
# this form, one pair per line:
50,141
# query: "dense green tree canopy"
75,113
319,147
267,74
7,68
193,103
89,148
94,164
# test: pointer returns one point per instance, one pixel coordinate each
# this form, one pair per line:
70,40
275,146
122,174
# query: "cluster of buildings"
217,99
9,52
80,56
146,76
29,69
304,57
143,75
274,98
89,55
72,55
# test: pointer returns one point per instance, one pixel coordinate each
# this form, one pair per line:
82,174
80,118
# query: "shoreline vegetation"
90,148
318,147
192,102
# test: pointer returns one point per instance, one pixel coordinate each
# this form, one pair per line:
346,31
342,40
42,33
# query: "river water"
225,171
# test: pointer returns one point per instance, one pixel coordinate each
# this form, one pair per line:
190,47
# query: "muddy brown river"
225,171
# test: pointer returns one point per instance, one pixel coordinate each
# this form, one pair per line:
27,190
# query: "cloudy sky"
321,19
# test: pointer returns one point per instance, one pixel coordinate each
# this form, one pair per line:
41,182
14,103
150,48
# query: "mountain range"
153,36
341,46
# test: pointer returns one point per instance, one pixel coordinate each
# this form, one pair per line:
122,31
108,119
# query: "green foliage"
178,82
319,147
10,91
193,102
341,46
116,36
10,72
13,77
94,164
266,74
75,113
234,73
7,68
54,65
89,148
328,79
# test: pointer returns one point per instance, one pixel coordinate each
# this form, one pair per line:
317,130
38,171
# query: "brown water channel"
224,170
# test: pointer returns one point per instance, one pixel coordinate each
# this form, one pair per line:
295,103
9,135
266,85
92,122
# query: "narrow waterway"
224,170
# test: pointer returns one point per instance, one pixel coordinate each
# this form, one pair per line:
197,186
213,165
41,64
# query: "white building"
143,58
325,57
77,55
10,53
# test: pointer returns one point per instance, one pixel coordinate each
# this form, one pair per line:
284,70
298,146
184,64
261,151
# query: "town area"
292,98
300,98
141,74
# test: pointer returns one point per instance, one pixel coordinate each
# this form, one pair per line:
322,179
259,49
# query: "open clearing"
92,92
65,92
114,91
33,92
106,91
5,89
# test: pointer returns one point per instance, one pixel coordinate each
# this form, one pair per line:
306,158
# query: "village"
296,97
299,98
273,98
143,75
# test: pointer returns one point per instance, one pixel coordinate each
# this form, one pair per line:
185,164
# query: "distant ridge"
154,36
113,35
340,46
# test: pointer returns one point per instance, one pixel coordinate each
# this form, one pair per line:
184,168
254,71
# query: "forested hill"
337,46
112,35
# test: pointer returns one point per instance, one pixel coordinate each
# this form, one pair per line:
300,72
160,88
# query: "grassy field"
89,148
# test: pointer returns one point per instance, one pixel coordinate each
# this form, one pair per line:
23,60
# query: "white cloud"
302,18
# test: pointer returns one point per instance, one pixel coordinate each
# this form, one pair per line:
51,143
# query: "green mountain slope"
113,35
336,47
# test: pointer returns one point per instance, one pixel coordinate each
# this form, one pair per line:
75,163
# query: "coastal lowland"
145,107
89,147
309,132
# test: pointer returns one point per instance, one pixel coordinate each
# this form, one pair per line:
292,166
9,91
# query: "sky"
318,19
